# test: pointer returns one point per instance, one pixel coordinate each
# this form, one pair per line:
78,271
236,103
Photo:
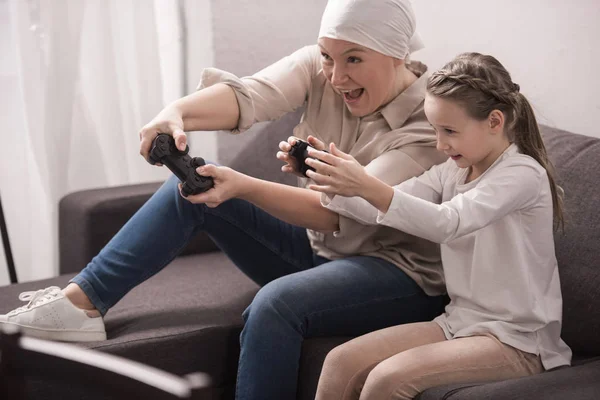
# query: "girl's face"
366,79
469,142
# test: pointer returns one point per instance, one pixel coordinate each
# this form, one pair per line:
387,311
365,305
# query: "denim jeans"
302,295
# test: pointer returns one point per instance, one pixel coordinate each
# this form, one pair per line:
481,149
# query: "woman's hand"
169,121
336,172
228,184
292,164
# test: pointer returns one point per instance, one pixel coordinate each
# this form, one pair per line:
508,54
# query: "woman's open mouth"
352,96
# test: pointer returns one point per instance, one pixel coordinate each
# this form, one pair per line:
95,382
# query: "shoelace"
36,297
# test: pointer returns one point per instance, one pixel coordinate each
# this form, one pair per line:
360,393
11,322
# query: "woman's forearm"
209,109
293,205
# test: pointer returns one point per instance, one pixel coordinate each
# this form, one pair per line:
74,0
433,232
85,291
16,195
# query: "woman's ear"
496,121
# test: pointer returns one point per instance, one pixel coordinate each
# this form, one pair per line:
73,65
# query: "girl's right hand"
169,121
292,164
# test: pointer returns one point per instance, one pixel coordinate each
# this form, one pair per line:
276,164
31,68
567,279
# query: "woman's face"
365,78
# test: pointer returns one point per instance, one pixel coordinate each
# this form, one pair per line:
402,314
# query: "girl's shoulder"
516,172
515,160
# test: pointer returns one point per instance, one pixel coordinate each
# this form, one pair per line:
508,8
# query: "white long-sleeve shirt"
496,235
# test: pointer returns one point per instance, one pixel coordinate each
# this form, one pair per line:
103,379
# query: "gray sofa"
187,318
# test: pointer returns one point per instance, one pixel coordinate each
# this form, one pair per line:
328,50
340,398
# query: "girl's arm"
393,167
356,188
508,188
293,205
503,190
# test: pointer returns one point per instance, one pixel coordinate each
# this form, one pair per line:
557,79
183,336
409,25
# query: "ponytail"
527,137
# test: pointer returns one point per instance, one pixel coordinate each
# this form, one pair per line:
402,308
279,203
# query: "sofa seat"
186,318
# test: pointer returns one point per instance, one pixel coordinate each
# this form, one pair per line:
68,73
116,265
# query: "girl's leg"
262,246
463,360
416,366
347,366
346,297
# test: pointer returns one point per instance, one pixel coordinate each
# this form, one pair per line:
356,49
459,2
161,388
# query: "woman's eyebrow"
359,49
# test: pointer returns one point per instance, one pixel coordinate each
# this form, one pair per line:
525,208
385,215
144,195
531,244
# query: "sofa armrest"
88,219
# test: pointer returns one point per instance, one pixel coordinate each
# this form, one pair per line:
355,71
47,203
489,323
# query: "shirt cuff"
326,202
212,76
388,218
355,208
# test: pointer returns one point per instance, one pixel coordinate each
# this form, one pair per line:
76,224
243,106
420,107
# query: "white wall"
549,46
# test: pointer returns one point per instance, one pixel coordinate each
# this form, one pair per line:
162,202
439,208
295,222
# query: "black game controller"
164,151
300,151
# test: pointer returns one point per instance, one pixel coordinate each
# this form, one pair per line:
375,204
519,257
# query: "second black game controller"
300,152
164,151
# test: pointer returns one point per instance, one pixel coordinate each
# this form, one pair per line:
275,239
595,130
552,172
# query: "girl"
492,207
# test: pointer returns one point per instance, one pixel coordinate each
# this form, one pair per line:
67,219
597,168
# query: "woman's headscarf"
386,26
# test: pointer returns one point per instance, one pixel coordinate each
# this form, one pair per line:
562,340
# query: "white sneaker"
50,315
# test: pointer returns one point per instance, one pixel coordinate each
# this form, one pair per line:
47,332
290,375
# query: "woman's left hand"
228,184
336,172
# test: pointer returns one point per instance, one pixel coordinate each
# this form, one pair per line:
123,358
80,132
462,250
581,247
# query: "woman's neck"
404,78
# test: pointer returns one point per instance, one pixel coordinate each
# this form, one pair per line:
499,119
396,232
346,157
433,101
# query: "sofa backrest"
258,157
576,159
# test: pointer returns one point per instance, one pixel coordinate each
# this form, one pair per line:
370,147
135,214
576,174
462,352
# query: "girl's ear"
496,121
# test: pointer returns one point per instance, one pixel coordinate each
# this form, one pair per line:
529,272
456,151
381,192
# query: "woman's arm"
213,108
210,109
293,205
226,102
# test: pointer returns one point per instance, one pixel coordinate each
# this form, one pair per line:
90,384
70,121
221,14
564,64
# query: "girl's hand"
228,184
169,121
292,164
336,172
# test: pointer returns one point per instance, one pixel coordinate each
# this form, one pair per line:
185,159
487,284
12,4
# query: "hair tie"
516,87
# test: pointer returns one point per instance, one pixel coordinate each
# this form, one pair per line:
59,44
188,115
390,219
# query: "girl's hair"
481,84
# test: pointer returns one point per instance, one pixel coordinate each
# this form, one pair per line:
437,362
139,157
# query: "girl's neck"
476,170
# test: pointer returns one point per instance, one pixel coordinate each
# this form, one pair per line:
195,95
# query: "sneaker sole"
59,336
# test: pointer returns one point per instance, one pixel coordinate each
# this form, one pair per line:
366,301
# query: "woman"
338,277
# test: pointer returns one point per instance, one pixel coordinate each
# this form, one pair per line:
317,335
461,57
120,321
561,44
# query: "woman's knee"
274,304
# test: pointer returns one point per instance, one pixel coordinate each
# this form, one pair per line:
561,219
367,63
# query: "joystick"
164,151
300,151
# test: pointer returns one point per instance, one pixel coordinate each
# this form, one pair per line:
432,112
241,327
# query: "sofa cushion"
576,160
579,382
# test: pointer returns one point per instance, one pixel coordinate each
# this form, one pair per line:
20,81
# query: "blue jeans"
302,295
